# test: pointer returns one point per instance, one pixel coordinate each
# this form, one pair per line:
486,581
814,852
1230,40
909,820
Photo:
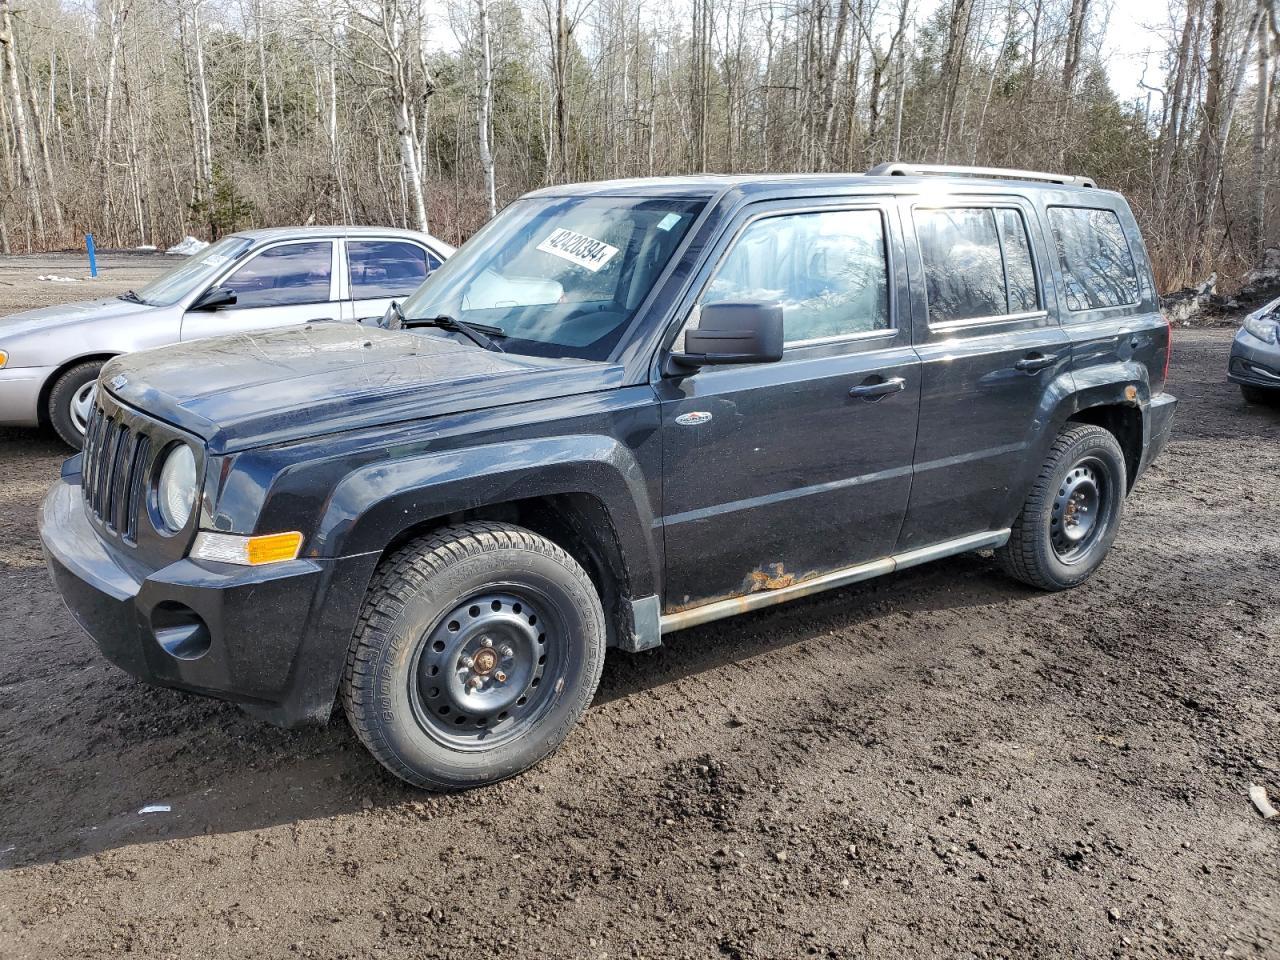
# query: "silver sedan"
255,280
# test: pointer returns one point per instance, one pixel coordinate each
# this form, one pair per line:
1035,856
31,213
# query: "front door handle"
878,388
1035,362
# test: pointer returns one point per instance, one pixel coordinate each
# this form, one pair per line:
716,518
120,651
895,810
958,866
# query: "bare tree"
1261,101
485,109
18,117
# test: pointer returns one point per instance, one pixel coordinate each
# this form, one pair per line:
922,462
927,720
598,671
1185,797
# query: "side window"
386,268
977,263
1019,271
1097,265
295,273
827,270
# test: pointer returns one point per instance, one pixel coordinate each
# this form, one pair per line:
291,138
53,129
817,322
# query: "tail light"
1168,349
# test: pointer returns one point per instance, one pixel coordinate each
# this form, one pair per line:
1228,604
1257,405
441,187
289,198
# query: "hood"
254,389
68,314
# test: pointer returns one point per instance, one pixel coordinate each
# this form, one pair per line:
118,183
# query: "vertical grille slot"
113,472
91,435
123,480
106,460
137,471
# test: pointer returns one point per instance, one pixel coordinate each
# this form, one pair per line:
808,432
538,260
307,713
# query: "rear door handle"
880,388
1037,361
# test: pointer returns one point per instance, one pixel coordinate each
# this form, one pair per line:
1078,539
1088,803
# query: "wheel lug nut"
486,642
508,652
468,662
474,683
500,677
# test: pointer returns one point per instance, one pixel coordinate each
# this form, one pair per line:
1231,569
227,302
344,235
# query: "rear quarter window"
1097,265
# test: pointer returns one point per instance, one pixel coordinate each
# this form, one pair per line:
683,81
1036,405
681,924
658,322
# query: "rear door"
285,284
380,270
990,350
778,472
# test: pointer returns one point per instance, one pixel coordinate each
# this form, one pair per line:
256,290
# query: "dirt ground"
937,763
117,272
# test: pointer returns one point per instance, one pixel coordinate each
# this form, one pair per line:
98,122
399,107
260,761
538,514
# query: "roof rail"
941,170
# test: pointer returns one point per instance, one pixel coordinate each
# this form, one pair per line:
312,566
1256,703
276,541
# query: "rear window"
977,263
386,268
1097,265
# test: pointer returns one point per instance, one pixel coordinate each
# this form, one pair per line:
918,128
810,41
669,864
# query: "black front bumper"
271,638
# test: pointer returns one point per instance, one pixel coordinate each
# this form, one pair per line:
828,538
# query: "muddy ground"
937,763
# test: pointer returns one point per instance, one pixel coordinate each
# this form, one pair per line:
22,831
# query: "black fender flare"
374,504
1070,394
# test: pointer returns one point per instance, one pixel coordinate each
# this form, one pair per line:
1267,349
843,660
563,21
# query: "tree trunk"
1221,94
1075,41
409,161
263,93
1168,143
22,143
952,67
486,107
829,84
1258,226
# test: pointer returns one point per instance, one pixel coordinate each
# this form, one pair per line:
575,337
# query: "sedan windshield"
172,285
558,276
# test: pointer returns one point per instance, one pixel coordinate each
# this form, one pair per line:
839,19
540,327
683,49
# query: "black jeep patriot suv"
620,410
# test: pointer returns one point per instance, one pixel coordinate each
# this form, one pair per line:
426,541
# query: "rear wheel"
1072,514
71,401
478,649
1260,395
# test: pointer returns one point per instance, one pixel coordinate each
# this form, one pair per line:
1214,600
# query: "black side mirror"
213,298
744,332
393,318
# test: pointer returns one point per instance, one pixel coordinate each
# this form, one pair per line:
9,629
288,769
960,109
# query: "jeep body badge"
693,419
118,381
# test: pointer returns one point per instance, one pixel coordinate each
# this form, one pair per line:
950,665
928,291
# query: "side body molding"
377,502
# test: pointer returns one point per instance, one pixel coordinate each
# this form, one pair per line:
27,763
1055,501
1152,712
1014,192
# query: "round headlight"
176,491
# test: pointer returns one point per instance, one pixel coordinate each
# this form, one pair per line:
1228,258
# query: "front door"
990,353
287,283
778,472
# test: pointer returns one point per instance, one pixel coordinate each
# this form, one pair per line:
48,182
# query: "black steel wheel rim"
488,670
1081,513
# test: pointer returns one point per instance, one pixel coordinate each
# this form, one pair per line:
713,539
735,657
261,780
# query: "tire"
430,699
1260,395
1072,514
69,401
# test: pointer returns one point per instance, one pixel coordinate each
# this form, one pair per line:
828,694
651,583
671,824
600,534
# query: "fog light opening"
180,631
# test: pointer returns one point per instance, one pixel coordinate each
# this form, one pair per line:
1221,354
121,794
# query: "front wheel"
71,402
478,649
1072,514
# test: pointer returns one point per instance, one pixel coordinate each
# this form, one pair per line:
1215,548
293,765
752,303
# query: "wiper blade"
477,333
131,297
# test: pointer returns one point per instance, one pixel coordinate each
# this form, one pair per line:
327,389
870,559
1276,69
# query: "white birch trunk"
486,108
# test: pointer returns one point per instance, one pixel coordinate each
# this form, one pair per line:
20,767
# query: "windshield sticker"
578,248
669,221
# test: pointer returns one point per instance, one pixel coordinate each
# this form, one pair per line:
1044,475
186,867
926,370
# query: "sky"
1135,38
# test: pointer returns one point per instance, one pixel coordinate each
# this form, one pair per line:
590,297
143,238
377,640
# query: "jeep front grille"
114,472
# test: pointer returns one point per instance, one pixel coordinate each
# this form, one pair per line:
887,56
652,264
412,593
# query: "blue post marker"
93,260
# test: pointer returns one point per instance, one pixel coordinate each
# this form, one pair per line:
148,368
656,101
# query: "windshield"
172,285
558,276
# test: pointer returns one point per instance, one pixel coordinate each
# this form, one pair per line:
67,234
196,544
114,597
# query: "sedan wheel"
71,401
